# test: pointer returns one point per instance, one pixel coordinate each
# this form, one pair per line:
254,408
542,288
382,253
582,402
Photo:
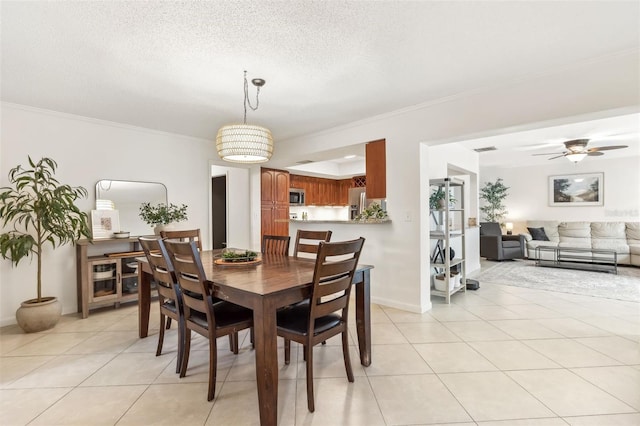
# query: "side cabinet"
107,272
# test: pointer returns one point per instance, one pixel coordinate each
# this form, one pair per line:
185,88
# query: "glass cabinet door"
103,279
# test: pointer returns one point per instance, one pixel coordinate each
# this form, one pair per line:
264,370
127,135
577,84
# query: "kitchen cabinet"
343,191
376,167
274,206
321,191
109,278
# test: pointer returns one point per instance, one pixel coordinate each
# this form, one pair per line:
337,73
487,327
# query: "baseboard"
399,305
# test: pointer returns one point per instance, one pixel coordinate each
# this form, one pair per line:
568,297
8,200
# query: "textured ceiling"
177,66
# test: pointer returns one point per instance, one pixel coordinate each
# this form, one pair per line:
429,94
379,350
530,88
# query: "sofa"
623,237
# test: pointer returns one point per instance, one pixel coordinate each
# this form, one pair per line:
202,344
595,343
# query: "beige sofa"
623,237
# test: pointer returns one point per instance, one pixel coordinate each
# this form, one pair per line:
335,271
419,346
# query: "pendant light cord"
246,97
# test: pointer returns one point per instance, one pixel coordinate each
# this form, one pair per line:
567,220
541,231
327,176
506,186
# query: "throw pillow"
538,234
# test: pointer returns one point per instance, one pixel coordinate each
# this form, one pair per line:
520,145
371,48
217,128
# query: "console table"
578,258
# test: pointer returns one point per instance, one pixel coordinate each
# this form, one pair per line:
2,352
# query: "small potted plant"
37,210
438,199
162,216
373,213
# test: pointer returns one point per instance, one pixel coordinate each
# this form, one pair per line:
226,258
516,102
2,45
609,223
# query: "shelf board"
455,261
444,293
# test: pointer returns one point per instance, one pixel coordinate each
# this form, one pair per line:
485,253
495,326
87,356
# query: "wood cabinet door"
281,179
267,186
281,220
376,166
343,192
266,220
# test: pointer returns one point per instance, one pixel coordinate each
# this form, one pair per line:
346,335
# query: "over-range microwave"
296,197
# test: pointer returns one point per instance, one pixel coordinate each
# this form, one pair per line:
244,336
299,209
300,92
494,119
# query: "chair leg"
308,349
168,323
185,354
252,335
213,364
181,333
160,335
345,354
287,351
304,353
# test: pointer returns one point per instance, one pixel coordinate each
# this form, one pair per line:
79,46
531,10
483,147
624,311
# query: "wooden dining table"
276,282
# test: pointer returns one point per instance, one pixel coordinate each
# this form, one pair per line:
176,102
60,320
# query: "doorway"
219,212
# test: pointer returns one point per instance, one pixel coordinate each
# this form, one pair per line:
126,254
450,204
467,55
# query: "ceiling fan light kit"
245,143
577,150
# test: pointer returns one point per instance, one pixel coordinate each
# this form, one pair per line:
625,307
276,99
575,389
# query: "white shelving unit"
449,223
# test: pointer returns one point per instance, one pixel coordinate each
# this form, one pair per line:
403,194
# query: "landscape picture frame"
576,190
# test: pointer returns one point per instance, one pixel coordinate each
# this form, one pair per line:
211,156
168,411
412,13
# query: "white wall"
528,197
88,150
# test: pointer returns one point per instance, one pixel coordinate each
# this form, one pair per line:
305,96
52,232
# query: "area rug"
523,273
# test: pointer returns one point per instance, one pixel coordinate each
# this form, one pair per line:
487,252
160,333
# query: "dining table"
273,283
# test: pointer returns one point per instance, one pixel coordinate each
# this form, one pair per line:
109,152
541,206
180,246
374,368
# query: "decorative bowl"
121,234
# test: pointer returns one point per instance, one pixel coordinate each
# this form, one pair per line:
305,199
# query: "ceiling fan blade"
550,153
558,156
594,153
607,148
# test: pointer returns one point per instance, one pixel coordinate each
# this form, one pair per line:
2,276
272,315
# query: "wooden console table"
586,259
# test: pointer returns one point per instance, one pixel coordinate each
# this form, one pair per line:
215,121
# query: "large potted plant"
38,211
162,216
494,194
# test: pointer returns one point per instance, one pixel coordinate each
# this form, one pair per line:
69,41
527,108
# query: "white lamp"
509,227
579,156
245,143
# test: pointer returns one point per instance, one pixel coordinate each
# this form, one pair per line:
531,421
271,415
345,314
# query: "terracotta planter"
33,316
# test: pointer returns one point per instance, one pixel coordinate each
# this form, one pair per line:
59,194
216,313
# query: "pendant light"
245,143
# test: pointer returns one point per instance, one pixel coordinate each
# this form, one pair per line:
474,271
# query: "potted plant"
494,193
373,213
438,199
38,210
162,216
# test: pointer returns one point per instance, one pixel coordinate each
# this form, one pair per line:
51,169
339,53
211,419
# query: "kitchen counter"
343,222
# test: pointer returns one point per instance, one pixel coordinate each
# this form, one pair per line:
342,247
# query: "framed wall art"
104,223
577,190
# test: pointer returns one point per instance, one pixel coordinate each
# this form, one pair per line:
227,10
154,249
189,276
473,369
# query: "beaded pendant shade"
245,143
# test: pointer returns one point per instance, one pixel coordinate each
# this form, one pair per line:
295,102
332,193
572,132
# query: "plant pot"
168,227
33,316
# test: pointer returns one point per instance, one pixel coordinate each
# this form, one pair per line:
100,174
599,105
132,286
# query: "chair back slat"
307,242
332,278
161,266
276,244
192,279
184,235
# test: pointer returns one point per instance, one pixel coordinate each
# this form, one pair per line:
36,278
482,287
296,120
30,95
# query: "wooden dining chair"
307,242
169,294
326,314
275,244
184,235
201,314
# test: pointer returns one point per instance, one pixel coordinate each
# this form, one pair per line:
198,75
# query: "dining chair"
184,235
275,244
169,294
326,314
211,320
307,242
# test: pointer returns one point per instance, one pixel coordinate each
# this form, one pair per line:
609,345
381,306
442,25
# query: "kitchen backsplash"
320,213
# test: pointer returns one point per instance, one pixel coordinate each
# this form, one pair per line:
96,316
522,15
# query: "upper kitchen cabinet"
274,186
376,166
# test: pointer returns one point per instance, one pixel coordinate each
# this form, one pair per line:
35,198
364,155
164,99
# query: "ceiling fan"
576,150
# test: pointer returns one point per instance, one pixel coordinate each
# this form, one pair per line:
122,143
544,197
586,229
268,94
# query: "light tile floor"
501,355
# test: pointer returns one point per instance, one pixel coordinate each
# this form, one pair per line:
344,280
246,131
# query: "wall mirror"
127,197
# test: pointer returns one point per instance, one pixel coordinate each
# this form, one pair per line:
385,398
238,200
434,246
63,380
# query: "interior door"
219,211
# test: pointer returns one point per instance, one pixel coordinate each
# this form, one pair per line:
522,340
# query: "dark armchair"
495,246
